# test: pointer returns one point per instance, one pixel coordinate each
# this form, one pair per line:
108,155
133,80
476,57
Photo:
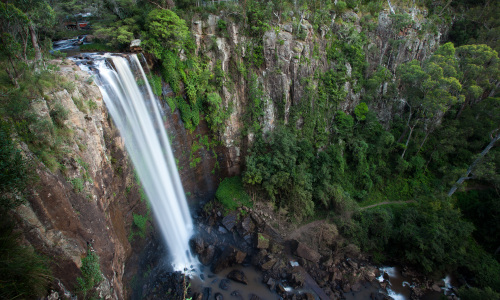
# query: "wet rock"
224,284
207,292
207,255
280,289
218,296
297,280
356,287
307,253
238,276
436,288
230,220
248,226
268,265
353,264
371,273
254,297
271,283
197,296
228,258
308,296
236,294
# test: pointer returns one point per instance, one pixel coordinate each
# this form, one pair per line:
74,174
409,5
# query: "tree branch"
471,167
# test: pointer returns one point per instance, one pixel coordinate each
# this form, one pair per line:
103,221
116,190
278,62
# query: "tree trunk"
390,7
408,141
34,41
12,77
423,142
447,4
471,167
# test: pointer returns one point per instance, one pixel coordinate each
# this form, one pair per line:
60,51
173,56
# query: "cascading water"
134,110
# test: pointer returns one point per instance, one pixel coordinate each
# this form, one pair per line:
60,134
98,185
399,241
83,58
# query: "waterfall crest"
135,112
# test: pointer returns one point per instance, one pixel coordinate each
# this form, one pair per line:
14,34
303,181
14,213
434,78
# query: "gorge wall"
292,63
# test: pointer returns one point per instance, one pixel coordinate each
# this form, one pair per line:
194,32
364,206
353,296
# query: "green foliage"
190,115
171,103
59,114
481,208
23,273
401,21
14,174
407,229
156,84
360,111
118,35
165,31
91,273
78,184
141,223
231,194
473,293
217,114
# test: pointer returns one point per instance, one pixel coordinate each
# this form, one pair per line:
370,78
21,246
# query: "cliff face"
290,65
82,205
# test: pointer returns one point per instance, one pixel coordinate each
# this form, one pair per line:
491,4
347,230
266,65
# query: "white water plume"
135,112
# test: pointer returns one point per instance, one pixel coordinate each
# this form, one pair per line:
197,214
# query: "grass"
232,194
23,273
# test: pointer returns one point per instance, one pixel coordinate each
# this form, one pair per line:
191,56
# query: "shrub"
231,193
91,273
14,173
165,30
59,114
141,222
23,273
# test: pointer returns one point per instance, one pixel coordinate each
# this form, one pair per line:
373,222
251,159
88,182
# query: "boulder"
236,294
224,284
271,283
230,220
268,265
135,46
262,241
218,296
307,253
436,288
228,258
238,276
207,292
207,255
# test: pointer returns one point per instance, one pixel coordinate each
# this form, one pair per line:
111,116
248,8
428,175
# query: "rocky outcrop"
290,63
83,203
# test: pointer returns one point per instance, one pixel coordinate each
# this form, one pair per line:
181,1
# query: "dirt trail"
387,202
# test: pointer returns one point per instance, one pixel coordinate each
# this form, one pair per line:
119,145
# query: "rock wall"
83,204
288,60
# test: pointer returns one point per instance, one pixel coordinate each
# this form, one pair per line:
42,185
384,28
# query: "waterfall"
135,112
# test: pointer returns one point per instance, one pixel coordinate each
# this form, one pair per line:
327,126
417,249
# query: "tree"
479,66
40,16
165,31
430,89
